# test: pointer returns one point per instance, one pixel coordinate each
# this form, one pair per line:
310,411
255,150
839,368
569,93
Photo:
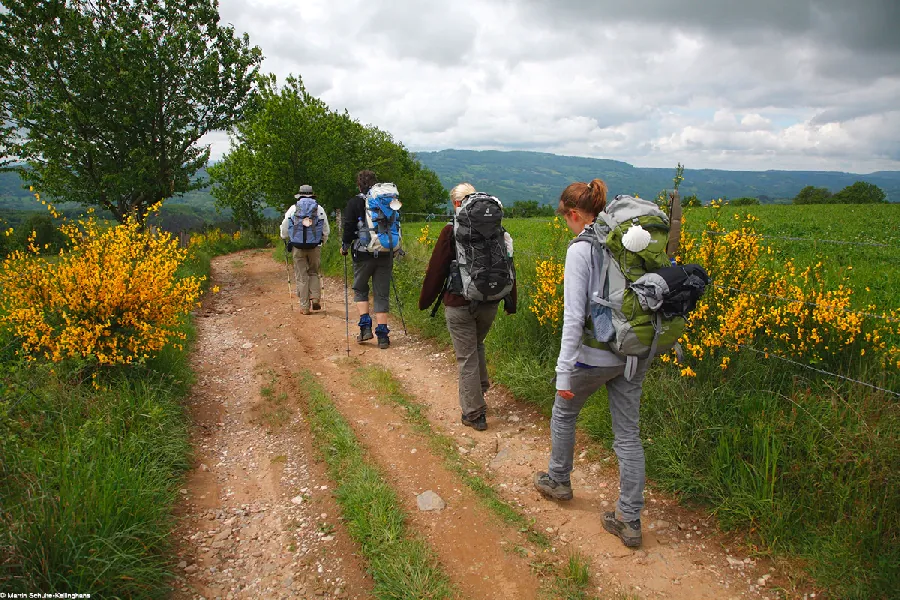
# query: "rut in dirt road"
258,517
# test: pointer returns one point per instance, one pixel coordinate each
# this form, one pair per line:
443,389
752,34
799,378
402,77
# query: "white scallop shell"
636,238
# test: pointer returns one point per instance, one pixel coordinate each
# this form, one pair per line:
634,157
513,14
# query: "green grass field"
804,463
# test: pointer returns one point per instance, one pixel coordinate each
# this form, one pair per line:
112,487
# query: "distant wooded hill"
540,176
517,175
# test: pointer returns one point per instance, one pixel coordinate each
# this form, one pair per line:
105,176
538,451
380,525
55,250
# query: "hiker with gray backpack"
372,235
304,230
625,303
471,270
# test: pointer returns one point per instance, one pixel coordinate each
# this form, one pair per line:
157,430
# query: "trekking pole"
346,306
397,296
288,268
393,281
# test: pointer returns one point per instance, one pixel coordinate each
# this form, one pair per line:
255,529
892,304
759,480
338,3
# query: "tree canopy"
290,138
813,195
860,192
106,100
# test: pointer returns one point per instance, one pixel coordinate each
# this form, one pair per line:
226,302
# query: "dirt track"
260,521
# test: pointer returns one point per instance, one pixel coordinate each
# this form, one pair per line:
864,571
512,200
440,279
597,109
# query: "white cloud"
731,84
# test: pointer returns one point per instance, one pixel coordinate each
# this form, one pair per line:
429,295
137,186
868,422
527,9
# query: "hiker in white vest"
304,230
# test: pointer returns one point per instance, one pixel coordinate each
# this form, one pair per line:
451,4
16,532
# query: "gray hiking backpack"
483,270
629,240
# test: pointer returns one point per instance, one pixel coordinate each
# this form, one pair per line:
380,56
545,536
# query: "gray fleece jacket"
581,277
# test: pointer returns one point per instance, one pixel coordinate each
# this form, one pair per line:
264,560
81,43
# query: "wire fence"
769,354
797,239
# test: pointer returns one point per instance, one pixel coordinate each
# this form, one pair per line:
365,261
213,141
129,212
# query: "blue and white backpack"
381,230
305,227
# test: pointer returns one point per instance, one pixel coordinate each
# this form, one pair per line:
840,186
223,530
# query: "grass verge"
401,565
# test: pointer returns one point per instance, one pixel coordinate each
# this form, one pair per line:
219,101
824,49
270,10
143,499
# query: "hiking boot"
628,531
305,311
552,488
384,342
316,305
479,423
365,328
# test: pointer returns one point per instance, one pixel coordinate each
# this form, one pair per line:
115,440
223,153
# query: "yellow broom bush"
756,302
110,297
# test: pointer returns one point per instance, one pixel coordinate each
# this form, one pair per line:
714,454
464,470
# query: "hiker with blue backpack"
471,270
372,236
624,303
304,229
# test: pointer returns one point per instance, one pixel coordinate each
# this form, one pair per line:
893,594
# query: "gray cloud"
767,84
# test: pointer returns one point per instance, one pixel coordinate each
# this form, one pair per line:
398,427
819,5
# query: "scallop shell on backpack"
636,238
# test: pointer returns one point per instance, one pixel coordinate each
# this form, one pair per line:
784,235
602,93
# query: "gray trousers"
468,330
378,269
306,274
624,406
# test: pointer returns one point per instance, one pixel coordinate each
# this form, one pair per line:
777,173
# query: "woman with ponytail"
584,366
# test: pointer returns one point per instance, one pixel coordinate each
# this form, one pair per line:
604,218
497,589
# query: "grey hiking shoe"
479,423
550,488
365,333
628,531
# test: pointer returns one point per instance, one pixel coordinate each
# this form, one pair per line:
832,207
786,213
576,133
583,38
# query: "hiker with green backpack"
471,271
624,303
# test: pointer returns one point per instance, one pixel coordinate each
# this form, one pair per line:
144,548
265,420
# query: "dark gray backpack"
485,269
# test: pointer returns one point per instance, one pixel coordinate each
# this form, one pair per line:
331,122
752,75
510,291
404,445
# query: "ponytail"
588,198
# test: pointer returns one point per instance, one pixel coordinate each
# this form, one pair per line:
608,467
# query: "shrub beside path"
255,453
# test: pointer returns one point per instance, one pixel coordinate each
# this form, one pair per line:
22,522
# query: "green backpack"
629,238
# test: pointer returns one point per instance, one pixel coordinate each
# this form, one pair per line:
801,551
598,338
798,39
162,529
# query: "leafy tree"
291,138
109,98
745,201
860,192
813,195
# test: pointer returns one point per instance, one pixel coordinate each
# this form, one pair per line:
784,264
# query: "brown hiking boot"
551,488
628,531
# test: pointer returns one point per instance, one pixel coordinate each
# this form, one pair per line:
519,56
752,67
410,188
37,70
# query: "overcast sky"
733,84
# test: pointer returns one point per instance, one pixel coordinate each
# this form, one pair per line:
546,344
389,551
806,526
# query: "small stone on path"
428,500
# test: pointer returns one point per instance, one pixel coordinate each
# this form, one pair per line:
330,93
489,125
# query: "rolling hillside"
539,176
